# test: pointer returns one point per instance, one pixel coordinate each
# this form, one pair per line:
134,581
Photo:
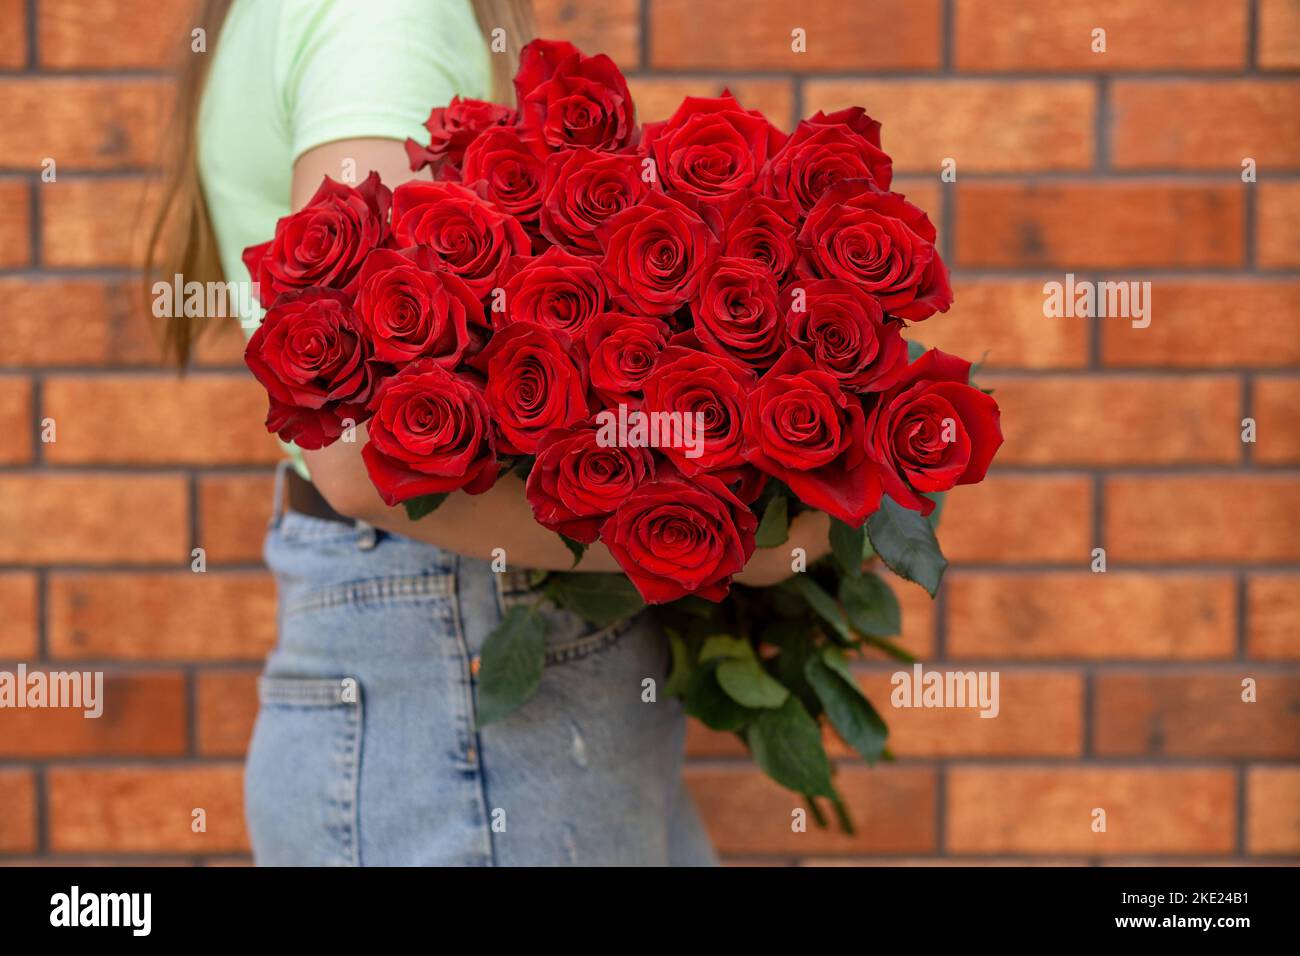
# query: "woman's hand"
809,530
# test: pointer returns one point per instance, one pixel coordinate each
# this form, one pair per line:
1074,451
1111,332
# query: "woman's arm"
475,525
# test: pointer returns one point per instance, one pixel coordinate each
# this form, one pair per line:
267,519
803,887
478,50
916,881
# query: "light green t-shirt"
290,75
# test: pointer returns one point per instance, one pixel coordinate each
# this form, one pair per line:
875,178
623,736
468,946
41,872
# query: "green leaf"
850,713
576,548
747,683
680,674
914,351
938,497
871,606
417,508
774,529
906,543
787,746
846,545
602,599
708,703
825,606
725,647
782,633
511,663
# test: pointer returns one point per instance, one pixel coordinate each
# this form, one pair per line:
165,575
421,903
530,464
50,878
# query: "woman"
366,749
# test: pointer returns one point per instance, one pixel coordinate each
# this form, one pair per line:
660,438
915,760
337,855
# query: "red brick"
15,224
1098,224
13,34
1279,34
1273,811
1001,323
18,822
1019,518
885,35
178,616
1198,714
15,421
612,27
1240,518
1049,810
1210,323
233,514
1277,236
226,707
81,124
1273,616
67,322
144,714
1112,420
94,223
209,419
657,97
1276,412
1116,615
75,35
90,518
1209,125
1039,126
146,809
18,627
745,812
1018,35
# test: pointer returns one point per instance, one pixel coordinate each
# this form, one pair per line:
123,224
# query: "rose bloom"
932,431
324,242
736,312
570,99
803,429
556,289
584,189
674,537
621,351
452,128
759,228
576,483
880,242
507,169
656,254
846,333
410,310
431,433
822,151
533,384
470,237
312,356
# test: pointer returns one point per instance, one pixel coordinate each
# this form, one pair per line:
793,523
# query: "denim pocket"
303,769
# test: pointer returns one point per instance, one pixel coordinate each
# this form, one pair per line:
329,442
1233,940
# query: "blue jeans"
366,752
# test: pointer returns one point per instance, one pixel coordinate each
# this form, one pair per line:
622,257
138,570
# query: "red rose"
571,99
932,431
583,189
710,148
576,482
470,237
431,433
324,242
846,333
736,312
655,254
533,384
803,429
710,389
674,537
507,170
621,352
411,311
880,242
555,290
760,228
824,150
452,128
311,355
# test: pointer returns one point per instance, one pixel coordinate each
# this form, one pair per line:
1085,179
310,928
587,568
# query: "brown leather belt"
300,495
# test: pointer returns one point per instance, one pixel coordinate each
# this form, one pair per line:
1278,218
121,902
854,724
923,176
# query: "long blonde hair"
181,240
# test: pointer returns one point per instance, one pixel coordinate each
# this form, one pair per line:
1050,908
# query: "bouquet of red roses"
680,334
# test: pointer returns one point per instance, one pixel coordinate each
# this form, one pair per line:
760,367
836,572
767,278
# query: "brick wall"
1120,690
